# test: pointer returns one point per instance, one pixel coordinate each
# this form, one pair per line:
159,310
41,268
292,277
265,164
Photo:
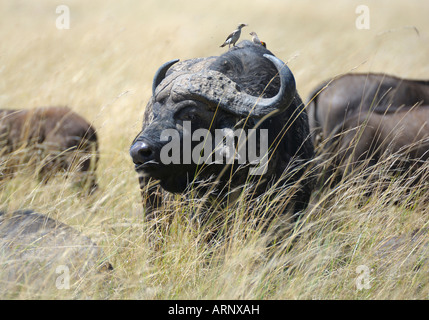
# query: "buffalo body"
54,139
336,100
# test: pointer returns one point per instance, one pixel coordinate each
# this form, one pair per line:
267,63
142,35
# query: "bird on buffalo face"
234,36
256,40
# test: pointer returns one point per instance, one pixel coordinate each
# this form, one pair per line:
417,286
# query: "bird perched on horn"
256,40
234,36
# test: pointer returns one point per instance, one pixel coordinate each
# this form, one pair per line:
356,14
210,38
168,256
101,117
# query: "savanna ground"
102,67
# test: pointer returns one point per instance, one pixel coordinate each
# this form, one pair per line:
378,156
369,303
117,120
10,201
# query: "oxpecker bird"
256,40
234,36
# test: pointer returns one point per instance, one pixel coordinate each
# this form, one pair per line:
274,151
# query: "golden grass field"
102,67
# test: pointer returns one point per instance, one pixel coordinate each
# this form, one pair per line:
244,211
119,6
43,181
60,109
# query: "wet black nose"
141,152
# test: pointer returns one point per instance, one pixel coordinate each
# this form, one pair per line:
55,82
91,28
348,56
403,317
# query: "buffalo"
357,119
247,88
37,251
53,139
336,100
401,136
364,118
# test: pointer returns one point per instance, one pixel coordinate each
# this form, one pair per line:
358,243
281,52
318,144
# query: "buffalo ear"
160,74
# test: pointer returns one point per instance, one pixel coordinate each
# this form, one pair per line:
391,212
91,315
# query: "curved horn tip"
171,62
280,65
273,59
160,73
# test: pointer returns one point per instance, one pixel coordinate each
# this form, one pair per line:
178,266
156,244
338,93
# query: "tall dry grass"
102,68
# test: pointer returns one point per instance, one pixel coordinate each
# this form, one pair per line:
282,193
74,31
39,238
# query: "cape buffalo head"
245,88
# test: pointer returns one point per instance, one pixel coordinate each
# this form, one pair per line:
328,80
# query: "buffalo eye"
199,117
227,121
191,117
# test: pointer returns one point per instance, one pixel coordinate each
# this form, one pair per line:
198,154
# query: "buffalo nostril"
145,152
141,152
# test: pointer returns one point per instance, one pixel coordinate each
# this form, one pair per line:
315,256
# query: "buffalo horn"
160,74
215,88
